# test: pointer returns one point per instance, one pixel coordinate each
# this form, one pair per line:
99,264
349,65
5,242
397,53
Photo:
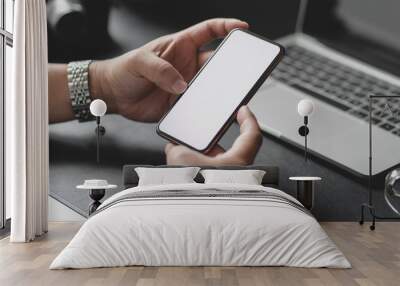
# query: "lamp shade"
305,107
98,107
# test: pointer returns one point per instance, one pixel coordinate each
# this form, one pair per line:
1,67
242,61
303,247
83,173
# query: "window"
6,43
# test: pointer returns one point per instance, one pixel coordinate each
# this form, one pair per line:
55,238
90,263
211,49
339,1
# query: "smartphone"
228,80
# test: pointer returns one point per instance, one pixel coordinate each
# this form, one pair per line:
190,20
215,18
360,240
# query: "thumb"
160,72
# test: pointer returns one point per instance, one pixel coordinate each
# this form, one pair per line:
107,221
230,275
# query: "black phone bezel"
245,100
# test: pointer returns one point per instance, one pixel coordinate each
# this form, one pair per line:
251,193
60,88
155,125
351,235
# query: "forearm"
60,107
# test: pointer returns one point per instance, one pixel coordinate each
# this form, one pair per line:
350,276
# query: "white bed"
185,230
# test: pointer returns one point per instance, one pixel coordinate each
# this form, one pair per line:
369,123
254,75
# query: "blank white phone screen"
218,90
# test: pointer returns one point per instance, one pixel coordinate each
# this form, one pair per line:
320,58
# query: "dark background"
131,24
110,28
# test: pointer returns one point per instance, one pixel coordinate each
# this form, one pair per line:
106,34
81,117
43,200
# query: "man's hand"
142,84
242,152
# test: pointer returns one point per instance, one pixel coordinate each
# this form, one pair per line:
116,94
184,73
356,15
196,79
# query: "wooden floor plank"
375,257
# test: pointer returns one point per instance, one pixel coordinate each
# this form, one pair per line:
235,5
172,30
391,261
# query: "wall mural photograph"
200,142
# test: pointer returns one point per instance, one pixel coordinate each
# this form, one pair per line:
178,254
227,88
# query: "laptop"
341,52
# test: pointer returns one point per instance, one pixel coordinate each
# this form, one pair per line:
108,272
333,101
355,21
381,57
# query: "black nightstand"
305,190
97,190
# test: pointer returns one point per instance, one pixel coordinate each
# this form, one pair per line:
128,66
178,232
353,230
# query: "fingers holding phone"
242,152
228,80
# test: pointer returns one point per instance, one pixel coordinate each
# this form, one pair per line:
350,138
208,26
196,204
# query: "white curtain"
27,123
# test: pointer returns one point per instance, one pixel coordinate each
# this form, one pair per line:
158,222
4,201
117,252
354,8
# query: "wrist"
99,85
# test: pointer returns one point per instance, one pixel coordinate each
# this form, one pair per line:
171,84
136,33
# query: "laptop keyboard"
341,86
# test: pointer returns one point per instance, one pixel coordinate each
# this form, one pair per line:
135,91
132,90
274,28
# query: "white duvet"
200,231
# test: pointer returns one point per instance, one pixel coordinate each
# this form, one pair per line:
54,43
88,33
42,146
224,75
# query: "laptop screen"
366,29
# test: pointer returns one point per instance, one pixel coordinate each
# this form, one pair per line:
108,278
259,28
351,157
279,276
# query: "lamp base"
371,209
102,130
303,130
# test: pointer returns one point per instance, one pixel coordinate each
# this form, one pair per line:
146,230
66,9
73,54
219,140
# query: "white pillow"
163,176
248,177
